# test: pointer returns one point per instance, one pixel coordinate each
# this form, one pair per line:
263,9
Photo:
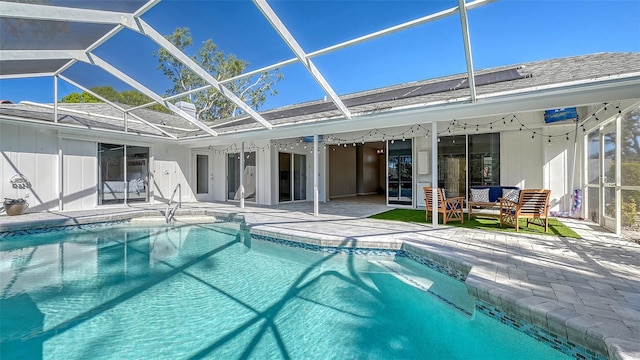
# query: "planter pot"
15,209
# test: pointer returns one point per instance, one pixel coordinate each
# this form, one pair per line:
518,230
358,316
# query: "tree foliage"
128,97
631,136
210,103
630,145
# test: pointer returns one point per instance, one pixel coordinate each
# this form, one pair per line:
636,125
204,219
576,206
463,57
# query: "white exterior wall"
559,158
264,169
79,174
521,160
219,168
171,165
422,168
536,164
33,153
265,163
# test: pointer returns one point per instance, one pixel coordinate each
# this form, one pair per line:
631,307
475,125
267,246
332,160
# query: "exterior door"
604,177
248,176
400,173
592,195
610,189
292,177
203,177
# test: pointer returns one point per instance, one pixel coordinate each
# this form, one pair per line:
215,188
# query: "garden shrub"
631,176
628,213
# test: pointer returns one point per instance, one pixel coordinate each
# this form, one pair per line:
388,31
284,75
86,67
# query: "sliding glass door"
111,187
400,173
292,177
468,160
123,174
248,176
452,165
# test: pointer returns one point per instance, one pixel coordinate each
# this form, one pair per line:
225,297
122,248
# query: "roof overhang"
579,93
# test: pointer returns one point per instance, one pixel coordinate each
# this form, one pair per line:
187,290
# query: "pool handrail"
170,212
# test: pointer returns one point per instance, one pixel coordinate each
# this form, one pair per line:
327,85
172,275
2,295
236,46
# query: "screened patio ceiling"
323,50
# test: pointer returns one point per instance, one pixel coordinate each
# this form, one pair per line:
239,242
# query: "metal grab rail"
170,212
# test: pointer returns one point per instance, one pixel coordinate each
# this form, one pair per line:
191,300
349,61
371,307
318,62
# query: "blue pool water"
209,291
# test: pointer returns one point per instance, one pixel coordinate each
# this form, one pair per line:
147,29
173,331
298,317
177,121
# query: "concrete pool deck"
586,290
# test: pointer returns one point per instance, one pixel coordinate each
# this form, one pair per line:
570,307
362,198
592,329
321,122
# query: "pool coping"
605,338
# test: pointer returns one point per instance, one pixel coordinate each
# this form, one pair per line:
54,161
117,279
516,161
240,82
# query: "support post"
60,175
242,175
316,205
434,174
618,170
55,99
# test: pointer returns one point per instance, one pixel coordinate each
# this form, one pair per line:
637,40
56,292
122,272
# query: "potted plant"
15,206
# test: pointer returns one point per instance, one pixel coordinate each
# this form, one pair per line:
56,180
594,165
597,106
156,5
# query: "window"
474,156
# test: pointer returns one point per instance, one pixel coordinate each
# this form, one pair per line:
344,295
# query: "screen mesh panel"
16,67
29,34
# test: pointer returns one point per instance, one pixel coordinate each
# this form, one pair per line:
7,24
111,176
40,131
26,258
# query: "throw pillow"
511,194
480,195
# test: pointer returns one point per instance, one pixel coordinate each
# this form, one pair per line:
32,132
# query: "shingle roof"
554,72
535,74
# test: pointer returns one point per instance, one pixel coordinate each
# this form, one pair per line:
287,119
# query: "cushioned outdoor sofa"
488,197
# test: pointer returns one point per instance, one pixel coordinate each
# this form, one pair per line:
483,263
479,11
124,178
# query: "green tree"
127,97
83,97
631,136
211,104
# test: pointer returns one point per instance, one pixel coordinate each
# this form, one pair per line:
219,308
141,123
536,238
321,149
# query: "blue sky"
502,33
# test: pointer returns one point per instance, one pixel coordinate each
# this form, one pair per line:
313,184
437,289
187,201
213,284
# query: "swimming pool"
209,291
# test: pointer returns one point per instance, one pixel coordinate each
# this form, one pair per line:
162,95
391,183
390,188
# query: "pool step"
404,274
185,219
441,286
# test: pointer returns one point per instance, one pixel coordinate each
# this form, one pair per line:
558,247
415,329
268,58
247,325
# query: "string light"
454,127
